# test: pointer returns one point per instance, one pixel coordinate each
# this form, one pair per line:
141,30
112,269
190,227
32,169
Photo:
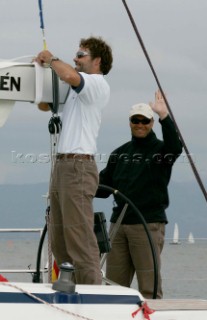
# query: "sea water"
184,265
184,269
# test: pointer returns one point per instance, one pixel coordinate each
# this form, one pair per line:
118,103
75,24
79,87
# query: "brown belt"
64,156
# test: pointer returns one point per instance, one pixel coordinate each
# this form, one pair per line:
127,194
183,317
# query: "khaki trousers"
73,186
131,254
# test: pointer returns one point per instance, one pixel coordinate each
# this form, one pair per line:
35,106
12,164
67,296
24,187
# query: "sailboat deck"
175,304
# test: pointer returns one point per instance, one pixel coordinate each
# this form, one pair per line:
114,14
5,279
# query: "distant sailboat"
176,235
191,238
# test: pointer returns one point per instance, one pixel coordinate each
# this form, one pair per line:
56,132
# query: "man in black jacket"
141,170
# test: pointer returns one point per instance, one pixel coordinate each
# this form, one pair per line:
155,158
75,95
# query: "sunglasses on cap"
81,54
142,121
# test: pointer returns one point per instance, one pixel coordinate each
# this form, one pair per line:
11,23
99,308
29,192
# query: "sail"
191,238
176,235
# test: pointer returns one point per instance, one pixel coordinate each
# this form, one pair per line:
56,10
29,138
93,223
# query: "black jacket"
141,170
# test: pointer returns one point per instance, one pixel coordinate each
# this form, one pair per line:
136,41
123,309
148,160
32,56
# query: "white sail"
176,235
191,238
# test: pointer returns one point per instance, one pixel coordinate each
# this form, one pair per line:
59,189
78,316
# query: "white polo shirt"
81,116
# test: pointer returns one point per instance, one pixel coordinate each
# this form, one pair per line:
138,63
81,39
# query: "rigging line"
42,24
165,99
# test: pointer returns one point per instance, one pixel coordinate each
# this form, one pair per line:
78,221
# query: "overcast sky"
174,33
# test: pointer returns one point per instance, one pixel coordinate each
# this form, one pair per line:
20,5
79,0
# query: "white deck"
168,309
178,304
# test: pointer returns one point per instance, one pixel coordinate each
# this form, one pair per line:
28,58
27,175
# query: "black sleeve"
106,177
172,142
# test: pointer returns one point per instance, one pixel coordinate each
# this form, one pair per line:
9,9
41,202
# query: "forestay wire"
55,124
165,99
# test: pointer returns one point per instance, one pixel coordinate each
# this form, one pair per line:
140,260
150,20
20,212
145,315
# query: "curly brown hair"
99,48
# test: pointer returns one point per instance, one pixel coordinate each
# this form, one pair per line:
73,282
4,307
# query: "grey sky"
174,34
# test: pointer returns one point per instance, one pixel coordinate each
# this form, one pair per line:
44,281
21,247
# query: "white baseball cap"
141,109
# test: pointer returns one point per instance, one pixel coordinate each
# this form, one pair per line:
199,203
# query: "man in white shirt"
75,176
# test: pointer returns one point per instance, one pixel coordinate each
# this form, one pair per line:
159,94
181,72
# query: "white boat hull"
90,302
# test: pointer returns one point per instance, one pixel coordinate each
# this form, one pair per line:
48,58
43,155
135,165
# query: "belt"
65,156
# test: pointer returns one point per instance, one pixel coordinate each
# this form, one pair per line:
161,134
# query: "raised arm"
64,70
159,106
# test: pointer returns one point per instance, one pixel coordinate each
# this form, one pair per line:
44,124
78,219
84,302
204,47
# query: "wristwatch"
53,58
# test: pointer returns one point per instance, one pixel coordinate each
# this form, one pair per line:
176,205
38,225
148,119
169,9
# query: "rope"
49,247
113,232
53,151
118,222
43,301
165,99
28,57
